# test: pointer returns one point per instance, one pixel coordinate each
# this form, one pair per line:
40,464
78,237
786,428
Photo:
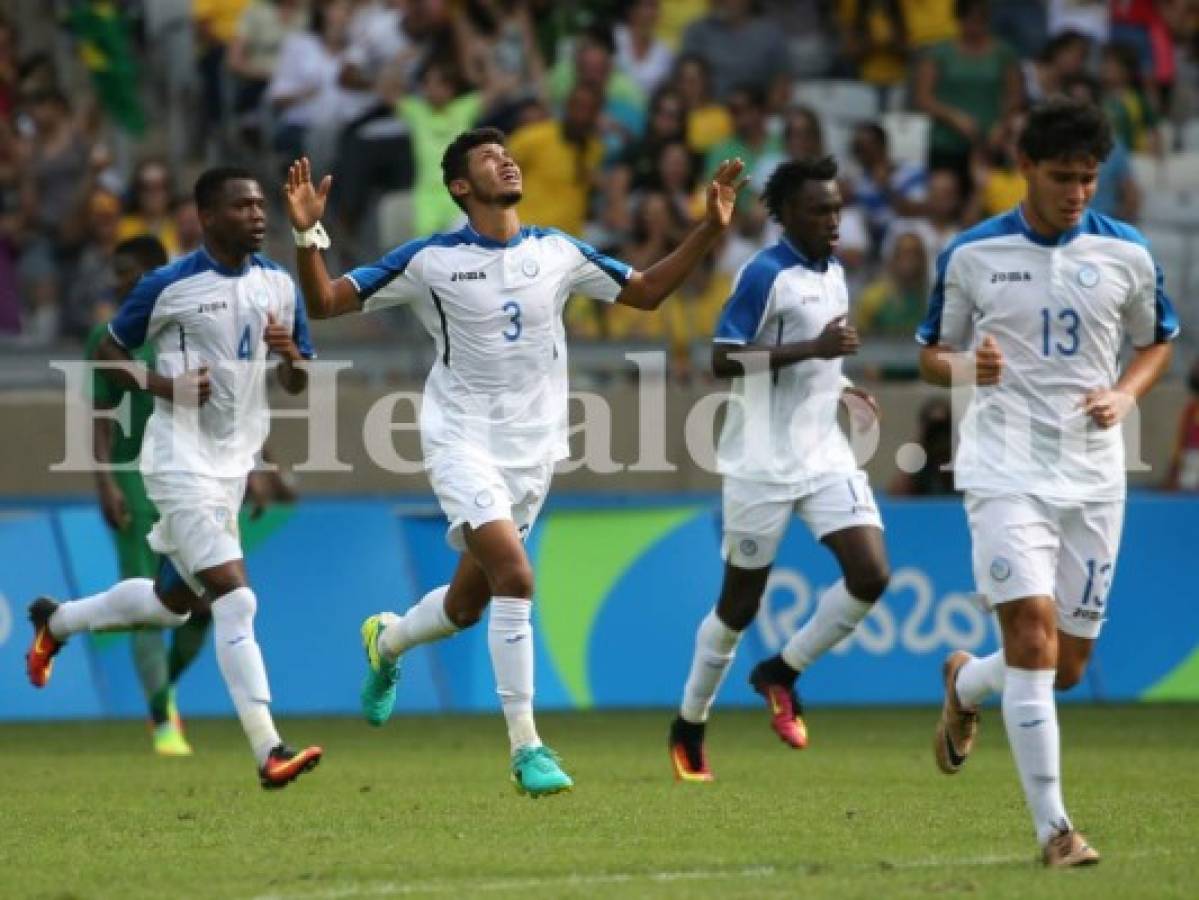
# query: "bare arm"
1107,407
324,297
193,387
946,367
838,338
646,290
292,376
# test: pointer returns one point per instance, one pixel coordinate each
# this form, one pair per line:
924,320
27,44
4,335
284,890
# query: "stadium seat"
1183,171
1171,249
1171,209
1190,135
908,136
394,218
838,101
1148,172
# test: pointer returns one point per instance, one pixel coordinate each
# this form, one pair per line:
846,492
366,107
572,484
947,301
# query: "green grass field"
423,808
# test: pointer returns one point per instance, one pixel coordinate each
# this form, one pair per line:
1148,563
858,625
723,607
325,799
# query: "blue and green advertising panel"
622,587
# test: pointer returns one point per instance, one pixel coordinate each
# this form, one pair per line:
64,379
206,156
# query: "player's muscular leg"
469,593
862,555
1030,633
220,580
740,595
501,559
1073,654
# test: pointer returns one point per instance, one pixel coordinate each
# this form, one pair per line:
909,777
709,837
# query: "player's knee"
869,582
234,612
512,579
1067,677
1033,636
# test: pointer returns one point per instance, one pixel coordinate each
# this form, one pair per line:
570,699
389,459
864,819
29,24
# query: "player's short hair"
212,181
454,160
145,249
788,180
1062,128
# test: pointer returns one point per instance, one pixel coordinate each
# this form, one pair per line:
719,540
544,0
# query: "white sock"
131,603
510,639
425,621
240,661
980,678
837,614
715,647
1030,716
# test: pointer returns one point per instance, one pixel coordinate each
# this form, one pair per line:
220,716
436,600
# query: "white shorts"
756,513
1024,546
197,522
474,491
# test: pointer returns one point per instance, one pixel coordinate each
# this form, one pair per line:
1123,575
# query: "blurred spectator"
1133,116
1141,26
1086,16
254,50
102,31
9,70
895,302
639,52
170,63
187,224
943,222
1183,474
10,229
658,228
967,85
435,117
560,162
741,49
1117,193
390,43
148,210
1022,24
92,295
876,41
592,63
998,183
708,122
803,138
935,439
500,56
880,187
637,168
1063,58
215,24
751,141
929,22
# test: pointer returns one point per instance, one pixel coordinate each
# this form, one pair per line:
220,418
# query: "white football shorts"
1024,546
473,490
197,521
756,513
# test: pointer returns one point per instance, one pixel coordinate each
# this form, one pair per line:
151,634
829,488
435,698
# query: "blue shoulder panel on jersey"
299,330
1165,319
929,331
742,314
370,279
128,326
618,271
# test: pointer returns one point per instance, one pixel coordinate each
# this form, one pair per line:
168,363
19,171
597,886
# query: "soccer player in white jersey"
213,317
781,338
494,420
1032,308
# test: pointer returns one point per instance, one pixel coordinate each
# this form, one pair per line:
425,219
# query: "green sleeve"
104,393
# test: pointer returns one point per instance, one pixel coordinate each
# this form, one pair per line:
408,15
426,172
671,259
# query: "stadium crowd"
617,111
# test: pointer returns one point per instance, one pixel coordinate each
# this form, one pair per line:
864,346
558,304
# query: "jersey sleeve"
744,312
131,326
300,335
103,393
1148,315
596,275
392,281
950,317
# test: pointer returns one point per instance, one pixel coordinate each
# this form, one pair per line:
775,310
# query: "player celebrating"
1032,307
130,514
781,338
494,418
212,317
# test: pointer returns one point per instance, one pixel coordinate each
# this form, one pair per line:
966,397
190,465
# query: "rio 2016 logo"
955,621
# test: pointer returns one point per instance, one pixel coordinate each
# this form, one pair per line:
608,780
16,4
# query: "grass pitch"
423,807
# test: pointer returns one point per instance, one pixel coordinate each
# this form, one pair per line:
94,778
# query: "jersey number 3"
1068,323
512,332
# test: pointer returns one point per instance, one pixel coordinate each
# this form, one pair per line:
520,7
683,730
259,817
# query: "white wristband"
316,236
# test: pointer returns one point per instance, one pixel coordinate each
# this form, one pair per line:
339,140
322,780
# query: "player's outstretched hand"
192,388
839,338
278,338
305,201
988,362
722,192
1108,407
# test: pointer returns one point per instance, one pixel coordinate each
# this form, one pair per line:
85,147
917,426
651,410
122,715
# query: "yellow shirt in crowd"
557,175
221,16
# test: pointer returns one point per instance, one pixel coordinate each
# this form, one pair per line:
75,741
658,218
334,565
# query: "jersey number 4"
1068,323
245,347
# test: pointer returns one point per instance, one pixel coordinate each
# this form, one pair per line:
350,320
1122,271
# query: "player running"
494,417
1033,307
212,316
131,515
781,338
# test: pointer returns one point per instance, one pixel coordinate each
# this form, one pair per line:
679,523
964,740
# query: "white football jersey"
494,311
1059,310
198,313
781,426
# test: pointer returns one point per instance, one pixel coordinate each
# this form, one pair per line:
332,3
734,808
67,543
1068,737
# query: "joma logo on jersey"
469,276
214,306
997,277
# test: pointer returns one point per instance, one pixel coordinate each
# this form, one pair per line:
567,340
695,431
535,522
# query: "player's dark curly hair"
212,181
1063,128
145,249
453,161
788,179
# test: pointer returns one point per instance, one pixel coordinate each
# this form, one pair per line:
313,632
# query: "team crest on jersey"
1001,569
483,499
1088,276
260,299
530,268
749,547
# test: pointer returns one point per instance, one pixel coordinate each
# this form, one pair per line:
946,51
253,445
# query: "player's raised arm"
646,290
324,297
